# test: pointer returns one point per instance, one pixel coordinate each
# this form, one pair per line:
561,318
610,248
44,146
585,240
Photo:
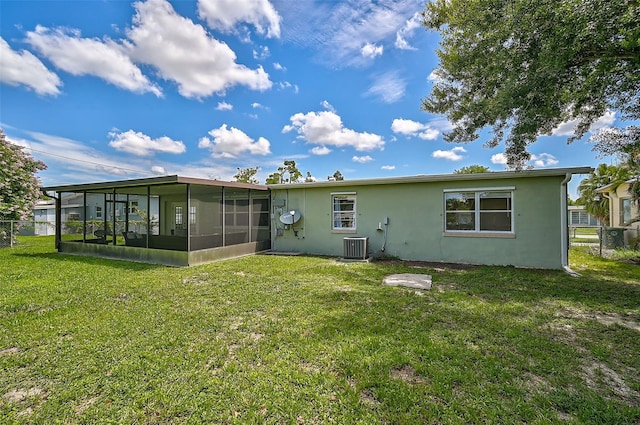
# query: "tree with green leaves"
523,67
596,205
288,168
19,186
247,175
626,145
274,178
472,169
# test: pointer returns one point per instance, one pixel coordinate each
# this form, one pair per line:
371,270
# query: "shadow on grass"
90,261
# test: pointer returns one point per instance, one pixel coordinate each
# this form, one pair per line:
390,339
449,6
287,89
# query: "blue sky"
110,90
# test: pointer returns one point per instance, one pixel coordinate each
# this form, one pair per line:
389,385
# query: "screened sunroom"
170,220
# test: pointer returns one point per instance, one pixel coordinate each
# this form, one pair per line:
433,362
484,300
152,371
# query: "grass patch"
269,339
582,231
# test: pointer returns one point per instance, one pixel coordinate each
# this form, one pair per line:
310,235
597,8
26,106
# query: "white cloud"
105,59
407,31
370,50
338,30
224,15
287,85
434,75
24,68
499,158
451,155
183,52
224,106
326,128
231,142
568,128
158,169
279,67
414,128
388,167
262,53
85,164
326,105
256,105
543,160
362,159
140,144
388,87
321,150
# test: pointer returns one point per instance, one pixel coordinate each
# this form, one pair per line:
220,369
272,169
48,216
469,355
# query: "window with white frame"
193,213
343,211
178,216
133,207
479,211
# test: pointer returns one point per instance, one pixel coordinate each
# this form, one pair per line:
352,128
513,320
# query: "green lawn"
298,340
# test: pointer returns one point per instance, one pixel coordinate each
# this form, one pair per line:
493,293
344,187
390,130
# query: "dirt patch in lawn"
368,398
606,319
85,405
9,351
597,375
407,374
17,396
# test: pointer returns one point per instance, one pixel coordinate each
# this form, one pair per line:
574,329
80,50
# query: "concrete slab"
410,280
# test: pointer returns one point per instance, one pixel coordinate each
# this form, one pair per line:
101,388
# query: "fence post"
602,235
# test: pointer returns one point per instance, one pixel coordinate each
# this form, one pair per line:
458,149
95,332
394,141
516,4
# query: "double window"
343,211
479,210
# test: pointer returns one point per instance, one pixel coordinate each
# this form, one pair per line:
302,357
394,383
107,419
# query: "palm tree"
596,205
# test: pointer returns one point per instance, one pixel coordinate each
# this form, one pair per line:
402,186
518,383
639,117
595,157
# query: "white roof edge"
605,188
422,178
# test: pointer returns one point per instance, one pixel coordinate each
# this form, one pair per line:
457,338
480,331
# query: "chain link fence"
10,230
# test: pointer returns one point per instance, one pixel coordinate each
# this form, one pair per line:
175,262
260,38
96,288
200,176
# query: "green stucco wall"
416,223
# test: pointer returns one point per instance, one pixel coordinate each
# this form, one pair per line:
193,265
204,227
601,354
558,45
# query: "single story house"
622,211
44,217
516,218
579,217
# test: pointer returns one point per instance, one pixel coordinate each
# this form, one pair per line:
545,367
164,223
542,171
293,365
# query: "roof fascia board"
153,181
424,178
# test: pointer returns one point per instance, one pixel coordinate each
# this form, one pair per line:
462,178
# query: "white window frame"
193,214
179,216
133,205
476,231
351,196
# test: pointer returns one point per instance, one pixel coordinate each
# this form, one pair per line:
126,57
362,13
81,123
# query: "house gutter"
564,232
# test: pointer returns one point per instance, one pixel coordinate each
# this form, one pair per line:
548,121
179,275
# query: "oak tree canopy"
522,67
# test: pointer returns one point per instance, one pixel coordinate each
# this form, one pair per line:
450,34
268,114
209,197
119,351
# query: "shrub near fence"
10,230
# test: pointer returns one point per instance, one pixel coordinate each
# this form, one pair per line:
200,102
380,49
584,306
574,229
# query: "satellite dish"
290,217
